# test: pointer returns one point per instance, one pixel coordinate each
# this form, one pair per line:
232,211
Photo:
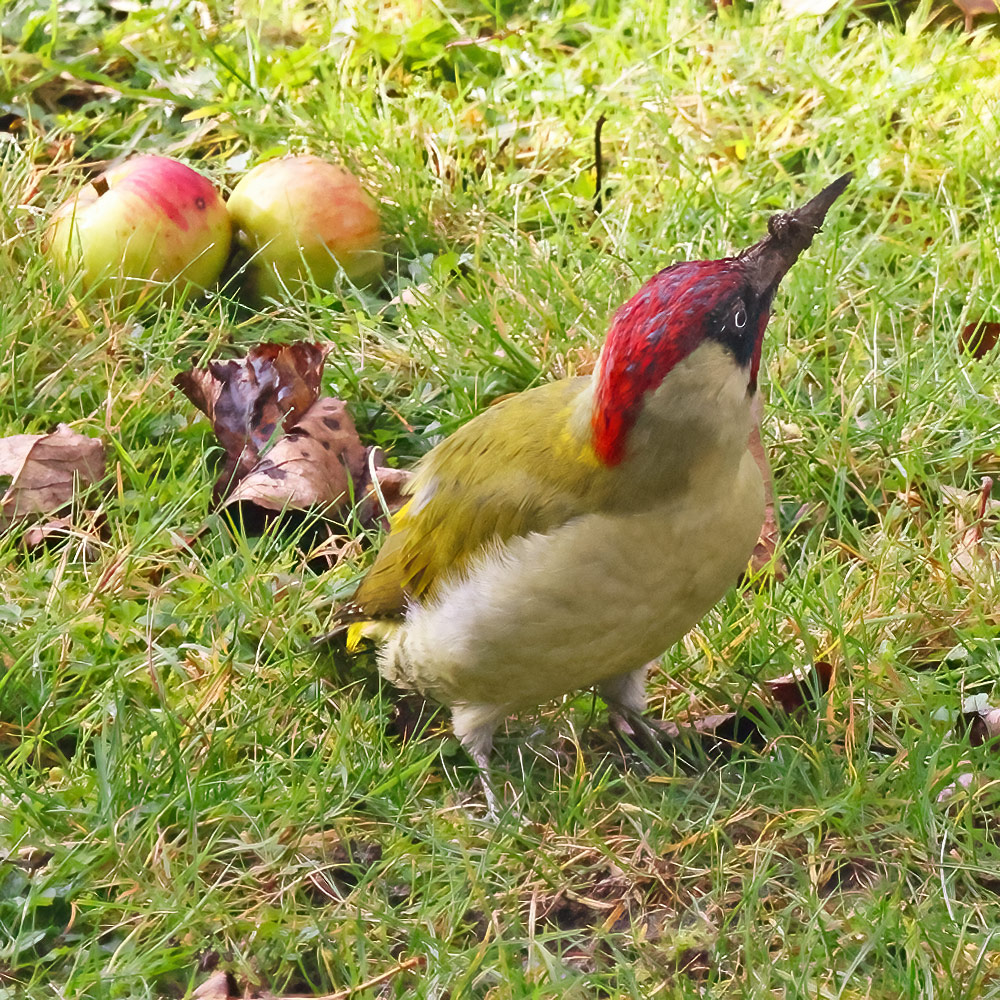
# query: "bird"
572,533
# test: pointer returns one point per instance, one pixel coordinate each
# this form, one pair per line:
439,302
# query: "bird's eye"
740,318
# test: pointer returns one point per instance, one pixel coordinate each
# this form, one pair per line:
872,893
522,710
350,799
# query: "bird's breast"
593,599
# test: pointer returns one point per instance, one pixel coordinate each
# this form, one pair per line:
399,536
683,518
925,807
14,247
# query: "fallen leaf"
247,401
315,465
216,987
801,688
785,695
969,558
287,449
61,528
384,491
971,8
45,470
979,338
980,725
412,295
764,556
965,781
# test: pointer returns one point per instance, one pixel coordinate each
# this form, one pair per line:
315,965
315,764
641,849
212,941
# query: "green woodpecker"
570,534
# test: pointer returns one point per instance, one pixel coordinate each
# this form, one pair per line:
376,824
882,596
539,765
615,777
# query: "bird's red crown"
651,333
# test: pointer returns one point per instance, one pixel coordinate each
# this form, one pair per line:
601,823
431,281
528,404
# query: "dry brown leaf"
764,557
785,695
318,463
386,494
980,725
286,448
61,528
248,401
972,8
969,558
798,689
45,470
216,987
965,781
979,338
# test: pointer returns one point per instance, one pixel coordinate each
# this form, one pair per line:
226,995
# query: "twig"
496,36
598,166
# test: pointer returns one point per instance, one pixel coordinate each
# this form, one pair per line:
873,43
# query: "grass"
186,786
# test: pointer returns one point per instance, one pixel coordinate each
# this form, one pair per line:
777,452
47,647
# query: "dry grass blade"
411,963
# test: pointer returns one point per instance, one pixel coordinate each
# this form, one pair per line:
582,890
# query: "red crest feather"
657,328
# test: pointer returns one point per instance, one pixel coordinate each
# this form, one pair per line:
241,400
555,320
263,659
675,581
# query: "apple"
148,222
299,217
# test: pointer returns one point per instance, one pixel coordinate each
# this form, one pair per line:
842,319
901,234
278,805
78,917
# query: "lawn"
187,787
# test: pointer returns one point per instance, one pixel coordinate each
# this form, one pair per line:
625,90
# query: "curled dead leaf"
45,470
248,401
286,448
385,491
980,725
60,529
220,985
963,782
764,557
801,688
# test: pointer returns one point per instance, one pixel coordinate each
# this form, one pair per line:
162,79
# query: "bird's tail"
358,626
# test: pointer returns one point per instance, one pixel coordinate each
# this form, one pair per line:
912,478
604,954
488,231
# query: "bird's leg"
626,700
482,761
474,725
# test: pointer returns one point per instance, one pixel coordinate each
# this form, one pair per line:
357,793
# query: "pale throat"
701,411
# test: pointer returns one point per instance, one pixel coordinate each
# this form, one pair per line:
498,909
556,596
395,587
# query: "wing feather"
484,485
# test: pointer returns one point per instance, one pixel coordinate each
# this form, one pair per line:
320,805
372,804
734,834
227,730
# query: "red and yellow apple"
300,218
148,222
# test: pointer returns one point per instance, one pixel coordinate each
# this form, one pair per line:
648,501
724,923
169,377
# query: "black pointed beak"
788,234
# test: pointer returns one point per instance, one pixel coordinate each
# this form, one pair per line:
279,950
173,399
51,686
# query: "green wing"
503,474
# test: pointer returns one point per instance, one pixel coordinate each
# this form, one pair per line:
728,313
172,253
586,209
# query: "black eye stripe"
732,328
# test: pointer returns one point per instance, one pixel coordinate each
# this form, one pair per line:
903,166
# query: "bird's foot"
634,727
659,740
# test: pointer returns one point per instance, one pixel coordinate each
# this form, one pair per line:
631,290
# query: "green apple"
300,217
149,222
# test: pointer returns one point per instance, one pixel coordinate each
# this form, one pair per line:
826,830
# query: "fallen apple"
300,217
150,221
